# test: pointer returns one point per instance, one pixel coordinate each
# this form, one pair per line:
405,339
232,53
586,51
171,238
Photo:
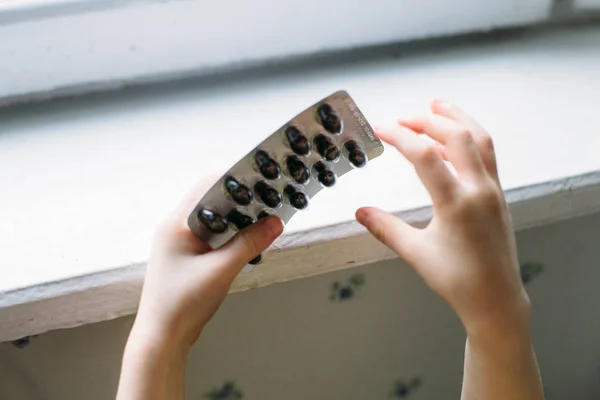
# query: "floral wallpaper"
348,289
403,389
23,342
342,291
228,391
366,333
530,270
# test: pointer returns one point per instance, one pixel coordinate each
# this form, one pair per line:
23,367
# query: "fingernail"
442,102
406,124
379,132
361,215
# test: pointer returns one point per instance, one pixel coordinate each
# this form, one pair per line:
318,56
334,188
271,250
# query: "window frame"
67,47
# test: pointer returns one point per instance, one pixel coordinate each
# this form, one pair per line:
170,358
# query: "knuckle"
463,136
165,228
484,196
428,153
167,234
465,204
485,143
250,242
490,196
376,229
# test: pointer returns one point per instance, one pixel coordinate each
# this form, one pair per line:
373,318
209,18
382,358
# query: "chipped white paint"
71,46
84,182
110,294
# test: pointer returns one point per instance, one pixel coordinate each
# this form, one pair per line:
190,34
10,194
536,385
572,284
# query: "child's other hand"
186,281
467,254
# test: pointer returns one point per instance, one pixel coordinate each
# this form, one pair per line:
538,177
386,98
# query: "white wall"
288,341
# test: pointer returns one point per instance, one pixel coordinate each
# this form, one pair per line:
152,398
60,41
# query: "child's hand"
186,281
467,254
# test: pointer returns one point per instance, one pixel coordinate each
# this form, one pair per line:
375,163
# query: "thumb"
390,230
249,242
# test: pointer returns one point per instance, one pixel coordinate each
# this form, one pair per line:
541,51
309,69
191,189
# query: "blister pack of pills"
282,174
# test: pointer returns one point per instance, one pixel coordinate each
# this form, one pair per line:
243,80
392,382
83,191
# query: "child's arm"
467,254
184,286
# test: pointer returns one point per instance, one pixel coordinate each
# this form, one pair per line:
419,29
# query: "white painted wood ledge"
85,181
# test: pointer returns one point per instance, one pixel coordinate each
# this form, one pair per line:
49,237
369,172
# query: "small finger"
391,231
460,147
426,158
482,139
248,243
442,150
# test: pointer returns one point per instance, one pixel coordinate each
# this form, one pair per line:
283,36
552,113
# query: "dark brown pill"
329,118
256,260
213,221
356,155
296,198
298,142
297,169
241,194
326,148
269,195
327,178
263,214
239,219
267,166
324,174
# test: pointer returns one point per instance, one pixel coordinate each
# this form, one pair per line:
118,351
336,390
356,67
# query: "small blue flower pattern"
226,392
342,291
530,270
346,290
23,342
403,389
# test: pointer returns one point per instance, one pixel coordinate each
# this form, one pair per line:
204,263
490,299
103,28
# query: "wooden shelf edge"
113,293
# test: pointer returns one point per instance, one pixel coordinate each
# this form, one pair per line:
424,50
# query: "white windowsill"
86,180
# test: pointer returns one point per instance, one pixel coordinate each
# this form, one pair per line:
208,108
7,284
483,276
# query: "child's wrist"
143,349
503,342
510,321
156,337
